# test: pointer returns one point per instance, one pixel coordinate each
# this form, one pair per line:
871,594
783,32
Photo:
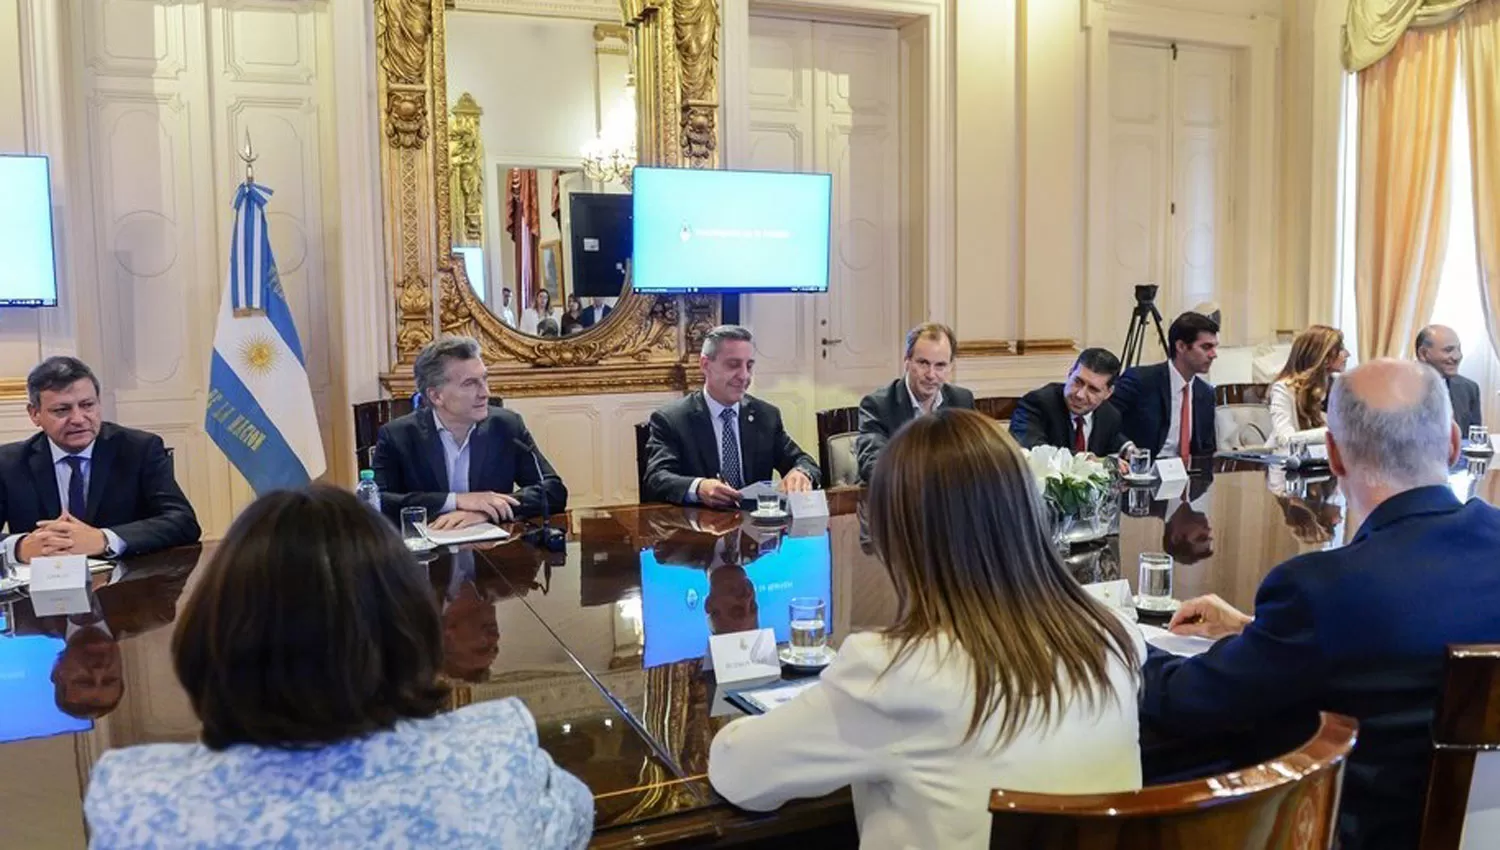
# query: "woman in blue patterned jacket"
310,650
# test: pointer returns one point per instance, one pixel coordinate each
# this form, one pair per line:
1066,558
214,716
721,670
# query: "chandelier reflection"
610,158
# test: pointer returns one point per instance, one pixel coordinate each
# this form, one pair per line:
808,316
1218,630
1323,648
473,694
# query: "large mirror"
541,140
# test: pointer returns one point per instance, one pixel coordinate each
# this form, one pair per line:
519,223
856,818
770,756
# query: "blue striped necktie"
731,451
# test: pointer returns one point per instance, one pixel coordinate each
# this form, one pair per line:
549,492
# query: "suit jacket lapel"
749,450
46,477
100,468
1166,405
702,430
432,449
483,448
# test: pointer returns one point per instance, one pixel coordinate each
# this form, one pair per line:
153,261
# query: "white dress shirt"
715,411
1088,427
456,458
896,737
1284,429
508,316
1180,385
937,397
64,475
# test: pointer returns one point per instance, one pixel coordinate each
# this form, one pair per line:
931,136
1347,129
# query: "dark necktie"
1080,442
731,451
76,498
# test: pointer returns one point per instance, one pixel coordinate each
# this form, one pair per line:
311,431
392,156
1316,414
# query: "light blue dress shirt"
456,458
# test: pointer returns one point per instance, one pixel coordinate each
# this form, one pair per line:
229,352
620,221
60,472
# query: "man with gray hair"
458,456
1361,630
710,444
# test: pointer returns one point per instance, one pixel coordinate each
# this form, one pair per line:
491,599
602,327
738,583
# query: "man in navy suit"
1361,630
83,486
458,457
1154,403
708,445
922,388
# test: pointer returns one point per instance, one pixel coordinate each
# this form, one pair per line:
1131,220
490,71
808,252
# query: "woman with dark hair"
1001,671
572,318
310,651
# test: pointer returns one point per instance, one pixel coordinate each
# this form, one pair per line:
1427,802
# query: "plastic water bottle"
367,492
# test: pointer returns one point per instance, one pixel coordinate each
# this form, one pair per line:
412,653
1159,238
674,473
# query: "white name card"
1171,469
1115,594
60,585
812,503
742,656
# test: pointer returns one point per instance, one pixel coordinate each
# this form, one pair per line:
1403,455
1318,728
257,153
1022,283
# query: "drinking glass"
1479,436
809,630
1138,501
1154,589
1140,463
768,503
414,529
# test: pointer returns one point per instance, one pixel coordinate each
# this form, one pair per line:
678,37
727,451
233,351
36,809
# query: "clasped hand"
717,494
66,535
473,508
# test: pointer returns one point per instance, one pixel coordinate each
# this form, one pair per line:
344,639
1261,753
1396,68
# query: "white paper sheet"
767,699
1183,645
467,534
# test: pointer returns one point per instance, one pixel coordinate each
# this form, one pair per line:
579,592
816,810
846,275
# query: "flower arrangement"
1070,482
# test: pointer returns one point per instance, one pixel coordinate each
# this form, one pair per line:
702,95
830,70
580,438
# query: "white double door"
823,98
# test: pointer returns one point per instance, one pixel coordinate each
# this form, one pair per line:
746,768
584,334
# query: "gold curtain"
1405,127
1372,27
1479,36
523,222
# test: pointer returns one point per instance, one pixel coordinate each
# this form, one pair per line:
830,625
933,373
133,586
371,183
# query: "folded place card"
1171,469
1170,489
60,585
741,656
1115,594
812,503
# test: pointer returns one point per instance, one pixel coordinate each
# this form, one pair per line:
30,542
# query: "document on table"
467,534
1184,645
763,699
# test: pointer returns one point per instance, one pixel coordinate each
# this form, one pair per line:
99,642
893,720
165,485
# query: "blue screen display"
26,693
681,605
700,230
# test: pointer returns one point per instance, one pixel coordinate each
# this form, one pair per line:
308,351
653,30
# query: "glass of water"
1140,463
768,504
414,529
1479,436
809,630
1154,589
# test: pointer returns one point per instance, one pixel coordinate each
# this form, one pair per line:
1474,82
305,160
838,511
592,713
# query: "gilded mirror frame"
646,344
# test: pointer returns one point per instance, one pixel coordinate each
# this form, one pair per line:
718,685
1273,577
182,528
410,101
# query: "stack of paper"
468,534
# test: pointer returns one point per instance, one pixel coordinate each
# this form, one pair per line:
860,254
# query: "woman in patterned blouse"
310,651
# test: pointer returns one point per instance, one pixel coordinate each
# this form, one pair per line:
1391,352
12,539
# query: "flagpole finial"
248,157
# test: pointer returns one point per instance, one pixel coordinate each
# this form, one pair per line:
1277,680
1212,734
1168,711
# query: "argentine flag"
260,406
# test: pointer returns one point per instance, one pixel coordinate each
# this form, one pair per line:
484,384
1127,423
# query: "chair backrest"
1288,803
836,456
997,407
1242,427
642,435
1466,725
1242,394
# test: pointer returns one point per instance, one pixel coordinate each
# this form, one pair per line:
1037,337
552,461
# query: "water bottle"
367,492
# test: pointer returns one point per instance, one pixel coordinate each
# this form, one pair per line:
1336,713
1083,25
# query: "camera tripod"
1135,336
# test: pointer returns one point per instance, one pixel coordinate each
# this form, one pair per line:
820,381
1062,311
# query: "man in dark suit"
922,388
84,486
1154,402
1439,347
1075,414
1360,630
708,445
596,312
458,457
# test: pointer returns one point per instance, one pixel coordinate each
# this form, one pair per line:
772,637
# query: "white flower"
1053,463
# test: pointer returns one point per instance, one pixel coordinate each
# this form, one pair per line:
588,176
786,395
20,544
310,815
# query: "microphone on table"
546,537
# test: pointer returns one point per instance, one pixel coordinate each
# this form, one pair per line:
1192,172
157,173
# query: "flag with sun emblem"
260,405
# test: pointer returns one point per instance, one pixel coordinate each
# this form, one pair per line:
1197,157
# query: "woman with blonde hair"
1000,671
1300,392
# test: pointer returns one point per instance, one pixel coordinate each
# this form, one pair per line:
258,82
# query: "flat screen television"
28,276
700,230
601,237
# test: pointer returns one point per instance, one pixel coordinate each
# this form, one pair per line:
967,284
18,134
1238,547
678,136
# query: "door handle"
827,341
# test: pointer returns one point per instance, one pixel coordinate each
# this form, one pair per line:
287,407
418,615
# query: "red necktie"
1185,433
1080,444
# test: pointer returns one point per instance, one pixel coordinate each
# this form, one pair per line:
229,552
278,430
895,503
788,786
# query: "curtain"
1373,27
523,223
1479,36
1405,128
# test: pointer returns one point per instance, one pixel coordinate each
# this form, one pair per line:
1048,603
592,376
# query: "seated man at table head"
1000,672
83,486
310,649
711,443
1439,347
1361,630
1075,414
1299,395
459,457
922,388
1168,408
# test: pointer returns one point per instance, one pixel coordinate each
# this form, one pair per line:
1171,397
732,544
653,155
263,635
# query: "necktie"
1080,442
730,451
76,498
1185,432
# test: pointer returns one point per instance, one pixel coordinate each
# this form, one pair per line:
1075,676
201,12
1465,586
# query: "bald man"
1362,630
1438,346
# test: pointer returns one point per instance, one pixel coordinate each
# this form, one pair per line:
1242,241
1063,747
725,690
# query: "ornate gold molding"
986,348
466,159
646,343
1046,346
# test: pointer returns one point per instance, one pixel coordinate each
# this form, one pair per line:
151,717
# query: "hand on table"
796,481
1208,616
66,535
717,494
458,519
499,507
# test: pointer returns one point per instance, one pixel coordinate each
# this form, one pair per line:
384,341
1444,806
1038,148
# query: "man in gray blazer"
1438,346
922,388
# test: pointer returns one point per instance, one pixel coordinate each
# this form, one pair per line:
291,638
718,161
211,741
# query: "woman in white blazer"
1001,672
1300,392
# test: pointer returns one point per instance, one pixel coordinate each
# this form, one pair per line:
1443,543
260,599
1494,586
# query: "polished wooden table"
602,642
